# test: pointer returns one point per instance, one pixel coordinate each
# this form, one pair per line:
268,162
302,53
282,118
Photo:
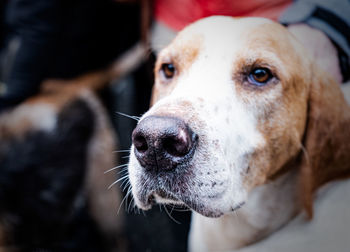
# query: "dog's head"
230,111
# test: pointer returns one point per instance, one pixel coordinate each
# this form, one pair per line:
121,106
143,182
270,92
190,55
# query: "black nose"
162,143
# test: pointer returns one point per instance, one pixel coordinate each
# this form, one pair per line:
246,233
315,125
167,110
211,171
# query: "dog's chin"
209,212
162,198
203,209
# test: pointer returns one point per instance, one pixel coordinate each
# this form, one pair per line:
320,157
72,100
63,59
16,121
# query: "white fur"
255,218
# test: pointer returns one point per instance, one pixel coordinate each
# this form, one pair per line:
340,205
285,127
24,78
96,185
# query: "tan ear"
326,139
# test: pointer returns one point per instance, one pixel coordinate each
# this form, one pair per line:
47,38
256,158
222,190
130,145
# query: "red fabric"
179,13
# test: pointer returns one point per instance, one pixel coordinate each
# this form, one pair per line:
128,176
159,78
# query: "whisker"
118,151
182,210
125,197
143,212
123,169
136,118
126,185
126,182
171,211
115,182
178,208
137,210
116,167
171,217
130,204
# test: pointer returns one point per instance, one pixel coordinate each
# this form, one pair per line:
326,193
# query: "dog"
243,129
55,149
57,153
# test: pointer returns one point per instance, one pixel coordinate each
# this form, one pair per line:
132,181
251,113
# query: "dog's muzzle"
163,143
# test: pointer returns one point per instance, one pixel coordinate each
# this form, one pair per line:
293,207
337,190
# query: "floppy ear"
326,138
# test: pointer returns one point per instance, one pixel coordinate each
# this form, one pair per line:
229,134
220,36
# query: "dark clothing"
60,39
331,17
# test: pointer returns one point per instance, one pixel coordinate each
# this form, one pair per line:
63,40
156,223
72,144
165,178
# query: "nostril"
174,147
178,145
140,143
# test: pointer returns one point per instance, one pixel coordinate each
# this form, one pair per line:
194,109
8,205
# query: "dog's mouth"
161,196
182,187
170,165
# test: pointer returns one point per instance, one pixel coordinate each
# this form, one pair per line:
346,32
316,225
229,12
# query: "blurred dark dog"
54,151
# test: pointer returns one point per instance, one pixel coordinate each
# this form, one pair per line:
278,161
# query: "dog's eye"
260,76
168,70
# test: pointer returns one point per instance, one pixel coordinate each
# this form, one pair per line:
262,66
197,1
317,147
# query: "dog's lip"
190,204
238,206
165,195
145,202
155,196
151,198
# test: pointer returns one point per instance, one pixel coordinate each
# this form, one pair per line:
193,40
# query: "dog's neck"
268,208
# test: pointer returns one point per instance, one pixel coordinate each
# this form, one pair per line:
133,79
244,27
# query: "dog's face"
229,111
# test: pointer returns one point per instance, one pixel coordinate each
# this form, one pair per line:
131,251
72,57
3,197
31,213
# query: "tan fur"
327,137
182,55
283,120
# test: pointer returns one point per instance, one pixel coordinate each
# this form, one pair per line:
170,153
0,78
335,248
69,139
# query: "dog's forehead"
225,32
228,44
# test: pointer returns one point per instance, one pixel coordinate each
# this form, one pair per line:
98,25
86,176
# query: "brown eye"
260,76
168,70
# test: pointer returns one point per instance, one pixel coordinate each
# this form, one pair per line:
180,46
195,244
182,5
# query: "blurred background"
64,39
55,136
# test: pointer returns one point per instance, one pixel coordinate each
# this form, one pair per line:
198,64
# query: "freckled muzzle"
162,143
